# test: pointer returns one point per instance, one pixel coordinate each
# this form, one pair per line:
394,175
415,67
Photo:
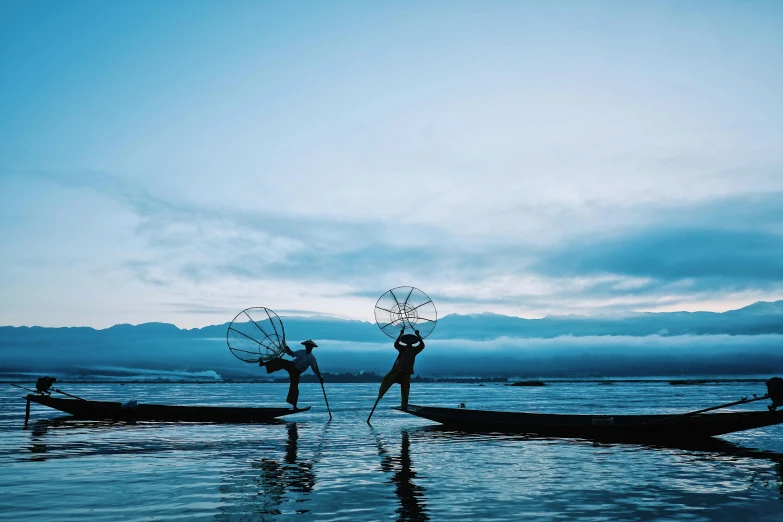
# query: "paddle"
53,389
22,387
326,400
58,390
743,400
373,409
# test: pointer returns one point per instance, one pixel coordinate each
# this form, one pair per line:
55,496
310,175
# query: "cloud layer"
603,159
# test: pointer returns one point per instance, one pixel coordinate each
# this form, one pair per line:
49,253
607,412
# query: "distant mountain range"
758,318
747,340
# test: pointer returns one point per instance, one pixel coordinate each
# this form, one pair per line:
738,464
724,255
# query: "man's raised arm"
316,371
397,343
420,346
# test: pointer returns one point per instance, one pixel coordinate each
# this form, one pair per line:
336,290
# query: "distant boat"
599,427
117,411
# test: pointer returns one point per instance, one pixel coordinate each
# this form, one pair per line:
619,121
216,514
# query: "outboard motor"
775,392
43,384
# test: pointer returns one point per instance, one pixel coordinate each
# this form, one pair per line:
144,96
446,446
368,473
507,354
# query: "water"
402,468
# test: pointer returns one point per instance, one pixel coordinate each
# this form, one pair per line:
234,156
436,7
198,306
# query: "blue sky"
179,161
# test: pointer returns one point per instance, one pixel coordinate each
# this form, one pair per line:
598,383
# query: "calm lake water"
401,468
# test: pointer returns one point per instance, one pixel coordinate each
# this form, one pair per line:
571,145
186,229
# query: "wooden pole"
22,387
27,412
326,400
373,409
68,394
741,401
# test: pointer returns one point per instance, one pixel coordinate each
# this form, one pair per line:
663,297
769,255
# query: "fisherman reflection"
411,496
260,492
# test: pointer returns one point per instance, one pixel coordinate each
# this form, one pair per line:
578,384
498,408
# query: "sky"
180,161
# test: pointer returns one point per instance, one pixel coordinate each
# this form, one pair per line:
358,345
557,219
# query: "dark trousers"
293,388
403,379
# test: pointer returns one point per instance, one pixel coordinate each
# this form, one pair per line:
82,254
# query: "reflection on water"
259,492
713,449
688,455
37,438
402,468
413,507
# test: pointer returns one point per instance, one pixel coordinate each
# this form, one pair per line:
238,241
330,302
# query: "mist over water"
400,468
738,342
567,356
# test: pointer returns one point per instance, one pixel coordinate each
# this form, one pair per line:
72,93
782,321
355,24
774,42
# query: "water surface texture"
402,468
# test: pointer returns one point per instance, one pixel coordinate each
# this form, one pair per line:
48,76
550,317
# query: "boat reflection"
711,448
729,451
66,437
412,507
40,443
261,491
38,446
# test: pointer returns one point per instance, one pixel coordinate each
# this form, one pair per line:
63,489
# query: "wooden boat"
599,427
100,410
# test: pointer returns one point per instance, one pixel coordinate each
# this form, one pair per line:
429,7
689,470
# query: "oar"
373,409
22,387
27,408
743,400
58,390
326,400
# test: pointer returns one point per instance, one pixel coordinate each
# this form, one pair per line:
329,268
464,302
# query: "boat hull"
599,427
101,410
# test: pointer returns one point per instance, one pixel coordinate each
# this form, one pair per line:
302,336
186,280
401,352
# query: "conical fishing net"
405,307
256,334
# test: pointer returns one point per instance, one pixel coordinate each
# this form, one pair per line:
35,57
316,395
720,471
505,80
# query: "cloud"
673,253
214,260
731,246
205,241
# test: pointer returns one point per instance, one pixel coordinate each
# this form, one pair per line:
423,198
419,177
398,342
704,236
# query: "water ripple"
400,468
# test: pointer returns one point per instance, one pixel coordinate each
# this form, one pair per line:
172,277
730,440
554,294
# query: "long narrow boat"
101,410
599,427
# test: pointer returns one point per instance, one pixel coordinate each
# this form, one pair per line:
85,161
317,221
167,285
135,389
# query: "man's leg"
386,383
293,387
275,365
405,388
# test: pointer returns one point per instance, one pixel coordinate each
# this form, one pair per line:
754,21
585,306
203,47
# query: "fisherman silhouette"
408,346
303,359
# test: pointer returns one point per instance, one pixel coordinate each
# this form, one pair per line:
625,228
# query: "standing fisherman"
409,346
303,359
